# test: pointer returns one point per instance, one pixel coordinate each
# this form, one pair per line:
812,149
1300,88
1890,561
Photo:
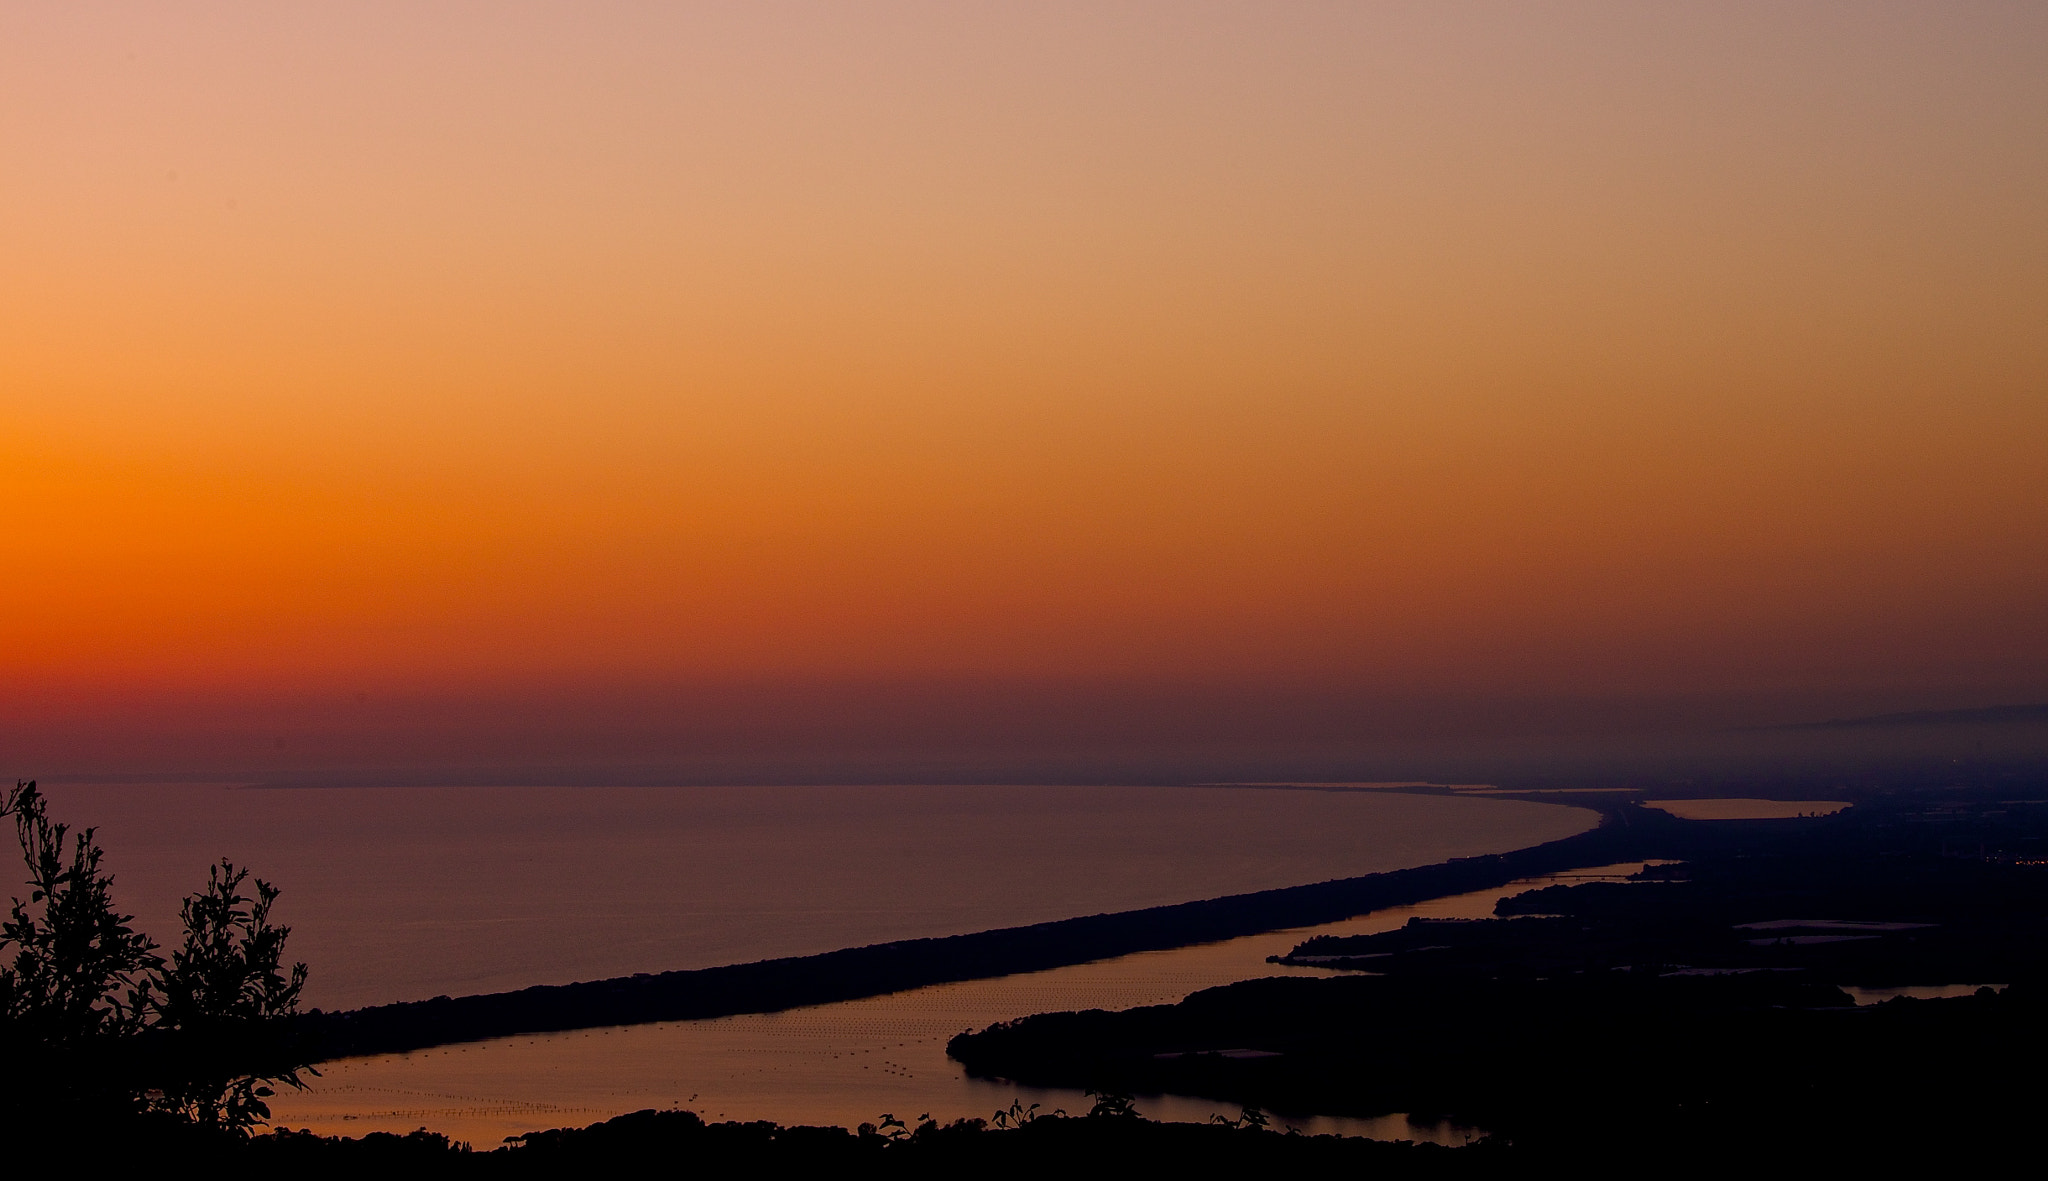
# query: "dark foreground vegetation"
1115,1143
1702,1006
670,1143
102,1037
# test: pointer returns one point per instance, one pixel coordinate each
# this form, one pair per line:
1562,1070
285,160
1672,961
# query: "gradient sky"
1601,351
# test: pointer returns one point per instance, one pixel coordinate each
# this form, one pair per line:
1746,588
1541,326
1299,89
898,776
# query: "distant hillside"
1991,715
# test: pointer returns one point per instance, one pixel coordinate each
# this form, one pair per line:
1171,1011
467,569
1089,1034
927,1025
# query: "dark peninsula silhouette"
770,985
1705,1005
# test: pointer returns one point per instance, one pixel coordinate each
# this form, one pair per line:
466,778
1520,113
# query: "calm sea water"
403,893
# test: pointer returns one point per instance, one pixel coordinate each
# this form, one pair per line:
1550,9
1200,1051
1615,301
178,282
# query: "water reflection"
1746,809
405,893
827,1064
1918,992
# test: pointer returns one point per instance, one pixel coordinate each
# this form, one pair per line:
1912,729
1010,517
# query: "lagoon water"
834,1064
404,893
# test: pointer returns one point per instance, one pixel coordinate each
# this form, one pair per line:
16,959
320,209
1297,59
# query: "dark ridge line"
1991,714
767,986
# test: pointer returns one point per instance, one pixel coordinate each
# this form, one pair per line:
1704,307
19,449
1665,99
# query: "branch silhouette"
99,1029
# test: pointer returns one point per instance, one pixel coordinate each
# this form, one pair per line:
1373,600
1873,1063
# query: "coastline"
405,894
774,985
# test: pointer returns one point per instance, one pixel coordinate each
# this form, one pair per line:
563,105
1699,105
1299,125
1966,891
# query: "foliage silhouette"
1016,1115
228,997
97,1027
1113,1105
1251,1117
80,972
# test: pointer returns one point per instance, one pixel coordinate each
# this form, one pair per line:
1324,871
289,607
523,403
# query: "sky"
433,384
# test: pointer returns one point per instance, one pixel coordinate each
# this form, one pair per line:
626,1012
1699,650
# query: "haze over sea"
405,893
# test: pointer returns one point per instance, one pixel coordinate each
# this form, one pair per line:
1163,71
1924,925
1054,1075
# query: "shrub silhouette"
1113,1105
79,971
96,1026
227,997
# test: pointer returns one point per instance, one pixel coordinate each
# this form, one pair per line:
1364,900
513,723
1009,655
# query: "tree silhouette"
226,995
80,971
94,1024
80,978
1113,1105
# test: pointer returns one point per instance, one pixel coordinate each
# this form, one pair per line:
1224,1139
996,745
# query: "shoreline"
774,985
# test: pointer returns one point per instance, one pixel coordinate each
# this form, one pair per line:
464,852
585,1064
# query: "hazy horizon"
987,733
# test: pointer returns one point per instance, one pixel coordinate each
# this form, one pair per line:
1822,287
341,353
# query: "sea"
404,893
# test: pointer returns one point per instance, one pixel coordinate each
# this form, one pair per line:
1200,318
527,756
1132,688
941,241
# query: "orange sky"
1600,350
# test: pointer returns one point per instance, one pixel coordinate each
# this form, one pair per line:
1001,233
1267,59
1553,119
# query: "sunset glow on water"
406,893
